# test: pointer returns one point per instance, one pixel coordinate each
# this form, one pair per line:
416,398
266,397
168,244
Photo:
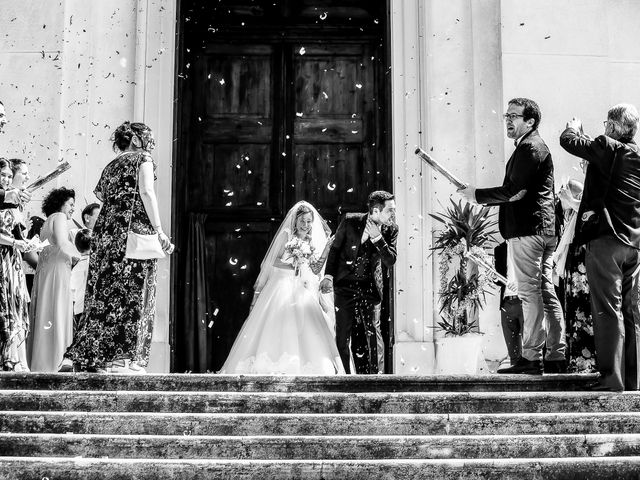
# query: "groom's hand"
372,229
326,285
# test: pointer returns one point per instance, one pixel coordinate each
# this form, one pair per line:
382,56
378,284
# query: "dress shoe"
524,366
66,366
555,366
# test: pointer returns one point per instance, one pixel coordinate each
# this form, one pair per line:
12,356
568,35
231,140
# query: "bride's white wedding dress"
287,331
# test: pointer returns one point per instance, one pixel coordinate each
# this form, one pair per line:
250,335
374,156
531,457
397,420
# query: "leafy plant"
465,228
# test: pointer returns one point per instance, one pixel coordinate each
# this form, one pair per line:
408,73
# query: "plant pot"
458,354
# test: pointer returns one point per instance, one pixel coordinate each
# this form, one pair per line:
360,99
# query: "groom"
362,243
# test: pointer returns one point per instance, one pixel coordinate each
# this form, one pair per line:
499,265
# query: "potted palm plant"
464,229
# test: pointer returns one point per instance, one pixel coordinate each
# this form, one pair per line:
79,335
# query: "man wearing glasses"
527,222
611,204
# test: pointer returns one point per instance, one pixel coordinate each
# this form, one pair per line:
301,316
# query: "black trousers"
355,304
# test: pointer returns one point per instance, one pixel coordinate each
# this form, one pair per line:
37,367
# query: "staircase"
72,426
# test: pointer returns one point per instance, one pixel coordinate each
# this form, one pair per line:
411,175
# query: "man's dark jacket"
622,200
526,196
344,250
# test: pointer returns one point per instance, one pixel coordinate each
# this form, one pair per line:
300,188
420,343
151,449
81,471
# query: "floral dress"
120,299
14,297
580,342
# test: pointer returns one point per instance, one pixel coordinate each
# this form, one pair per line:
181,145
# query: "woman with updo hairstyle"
51,307
14,297
114,333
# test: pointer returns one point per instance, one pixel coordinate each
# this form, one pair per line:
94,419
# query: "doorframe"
159,92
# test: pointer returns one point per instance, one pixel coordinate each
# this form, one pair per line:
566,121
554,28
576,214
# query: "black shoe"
555,366
524,366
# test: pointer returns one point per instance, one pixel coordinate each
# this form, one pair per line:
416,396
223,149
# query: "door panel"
334,147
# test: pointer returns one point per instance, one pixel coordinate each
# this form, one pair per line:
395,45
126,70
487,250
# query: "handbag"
592,223
141,246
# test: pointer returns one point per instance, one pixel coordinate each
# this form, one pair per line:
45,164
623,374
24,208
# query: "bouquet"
298,253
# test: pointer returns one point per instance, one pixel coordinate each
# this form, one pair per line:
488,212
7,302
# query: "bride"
289,328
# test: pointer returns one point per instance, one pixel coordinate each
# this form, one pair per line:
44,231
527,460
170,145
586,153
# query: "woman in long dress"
115,331
51,307
14,297
288,330
569,264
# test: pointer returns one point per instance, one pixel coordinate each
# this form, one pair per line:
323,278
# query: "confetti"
302,51
48,325
233,261
215,312
323,16
221,81
358,85
331,186
210,324
299,114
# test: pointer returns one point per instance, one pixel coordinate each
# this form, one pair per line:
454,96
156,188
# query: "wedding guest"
526,220
20,170
569,269
90,215
286,331
119,307
29,266
79,272
609,223
14,297
51,309
363,242
511,316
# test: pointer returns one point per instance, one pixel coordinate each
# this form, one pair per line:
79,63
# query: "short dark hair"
36,226
378,199
55,199
4,163
15,164
83,240
530,109
123,135
89,209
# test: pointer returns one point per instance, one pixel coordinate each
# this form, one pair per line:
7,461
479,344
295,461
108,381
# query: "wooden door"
267,119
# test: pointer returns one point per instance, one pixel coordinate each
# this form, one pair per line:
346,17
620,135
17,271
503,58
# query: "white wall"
70,73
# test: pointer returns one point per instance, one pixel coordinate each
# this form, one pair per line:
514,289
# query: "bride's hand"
326,285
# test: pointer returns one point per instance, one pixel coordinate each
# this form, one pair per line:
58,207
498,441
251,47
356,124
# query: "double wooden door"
265,122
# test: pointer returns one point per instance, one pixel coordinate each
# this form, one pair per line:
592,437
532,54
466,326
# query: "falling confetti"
299,114
210,324
221,81
233,261
324,129
302,51
358,85
215,312
331,186
323,16
48,326
324,94
350,190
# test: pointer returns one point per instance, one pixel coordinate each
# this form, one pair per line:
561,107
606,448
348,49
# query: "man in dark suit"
363,242
612,198
527,221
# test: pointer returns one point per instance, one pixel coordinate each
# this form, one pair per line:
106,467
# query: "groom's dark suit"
356,268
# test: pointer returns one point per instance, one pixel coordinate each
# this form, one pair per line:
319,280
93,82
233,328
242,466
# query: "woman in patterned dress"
14,298
569,265
115,331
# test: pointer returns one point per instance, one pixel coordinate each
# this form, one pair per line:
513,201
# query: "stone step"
319,447
262,383
330,402
600,468
126,423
